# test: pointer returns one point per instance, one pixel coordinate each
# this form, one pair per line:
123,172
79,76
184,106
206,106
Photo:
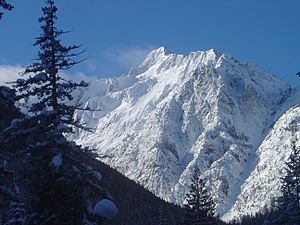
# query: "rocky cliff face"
176,112
260,188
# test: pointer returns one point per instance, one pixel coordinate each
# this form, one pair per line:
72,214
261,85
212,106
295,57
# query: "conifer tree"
17,209
6,6
289,203
48,92
8,109
199,206
287,206
60,188
162,217
291,184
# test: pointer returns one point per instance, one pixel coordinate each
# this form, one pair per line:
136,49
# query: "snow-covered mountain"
176,112
262,185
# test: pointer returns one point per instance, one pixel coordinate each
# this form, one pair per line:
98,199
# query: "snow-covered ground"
263,184
175,112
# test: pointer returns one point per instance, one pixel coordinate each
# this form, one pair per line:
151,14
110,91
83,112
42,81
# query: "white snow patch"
57,160
97,175
106,209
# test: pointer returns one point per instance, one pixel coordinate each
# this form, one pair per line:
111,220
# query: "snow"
6,91
174,112
97,175
57,160
62,128
263,185
87,167
106,209
47,112
83,84
20,81
40,77
15,123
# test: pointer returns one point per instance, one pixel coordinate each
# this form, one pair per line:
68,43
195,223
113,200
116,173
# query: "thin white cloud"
77,76
9,73
92,64
111,61
116,61
127,57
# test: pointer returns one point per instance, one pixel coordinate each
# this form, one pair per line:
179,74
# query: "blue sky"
117,34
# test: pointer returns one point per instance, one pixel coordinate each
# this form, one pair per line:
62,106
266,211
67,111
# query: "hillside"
135,204
263,184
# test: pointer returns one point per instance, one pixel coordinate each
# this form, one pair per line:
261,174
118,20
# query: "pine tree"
289,202
199,206
288,205
61,188
48,92
6,6
291,185
8,109
162,220
17,209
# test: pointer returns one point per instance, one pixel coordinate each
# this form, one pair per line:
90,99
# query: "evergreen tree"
60,188
162,217
47,91
291,186
199,206
288,205
8,109
6,6
17,209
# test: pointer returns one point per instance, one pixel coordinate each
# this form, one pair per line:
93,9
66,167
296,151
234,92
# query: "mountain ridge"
175,112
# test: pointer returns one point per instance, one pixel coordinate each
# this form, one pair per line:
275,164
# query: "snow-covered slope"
259,190
175,112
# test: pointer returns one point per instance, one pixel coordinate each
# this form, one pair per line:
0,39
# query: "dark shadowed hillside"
137,206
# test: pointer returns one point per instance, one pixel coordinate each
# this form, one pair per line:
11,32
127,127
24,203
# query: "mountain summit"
177,112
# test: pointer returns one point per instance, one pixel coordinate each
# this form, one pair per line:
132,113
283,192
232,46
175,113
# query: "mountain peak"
160,51
177,112
152,58
163,58
156,55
